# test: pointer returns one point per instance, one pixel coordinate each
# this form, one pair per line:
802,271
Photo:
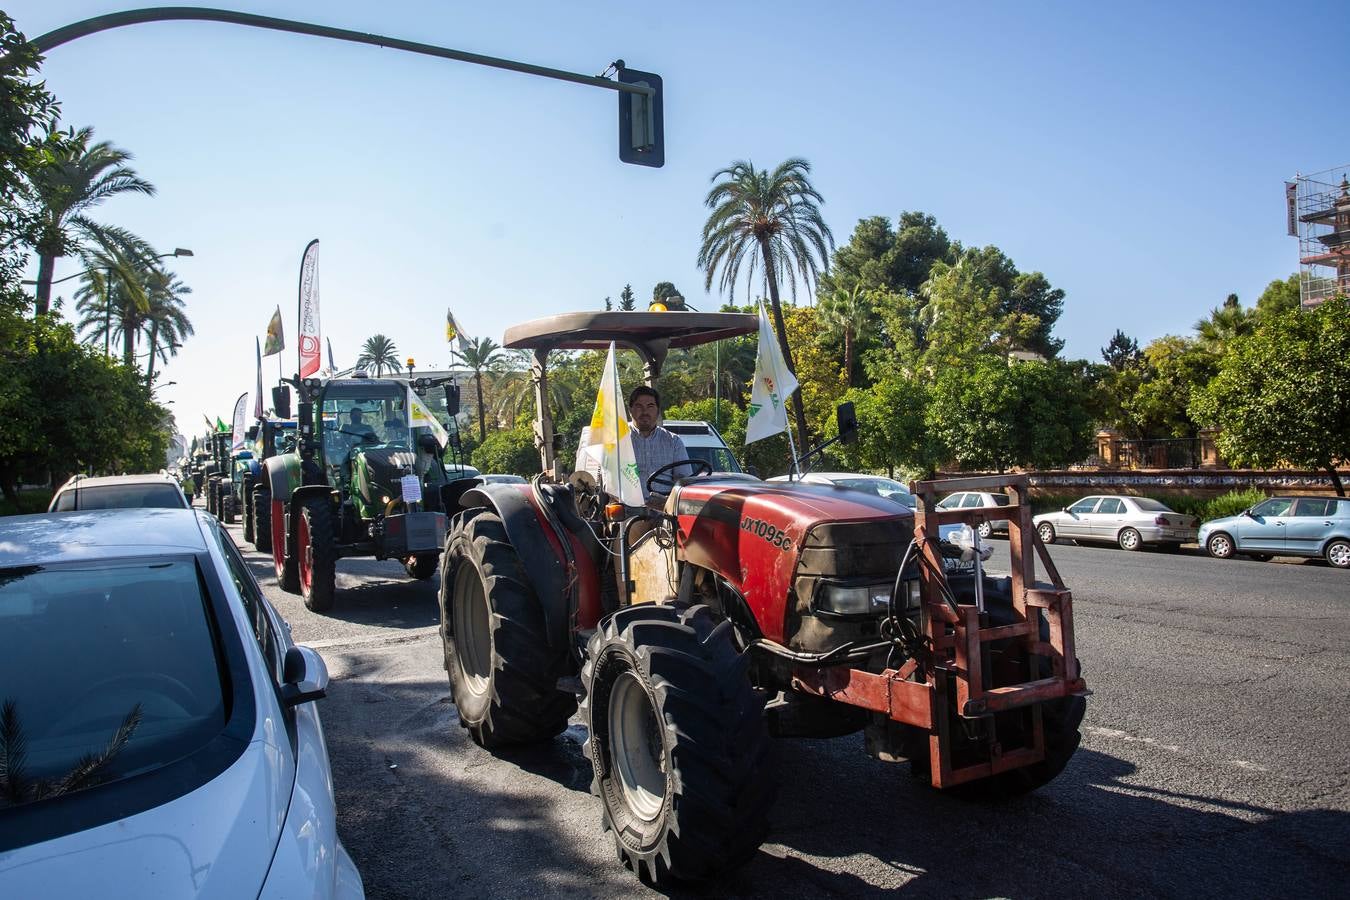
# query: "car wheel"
1220,546
1129,539
985,530
1338,554
1046,532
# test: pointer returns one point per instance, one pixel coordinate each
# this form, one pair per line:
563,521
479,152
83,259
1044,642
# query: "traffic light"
642,132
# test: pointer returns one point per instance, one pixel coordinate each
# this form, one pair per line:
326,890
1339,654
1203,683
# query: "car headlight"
864,599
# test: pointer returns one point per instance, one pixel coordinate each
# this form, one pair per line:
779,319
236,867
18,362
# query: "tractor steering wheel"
702,465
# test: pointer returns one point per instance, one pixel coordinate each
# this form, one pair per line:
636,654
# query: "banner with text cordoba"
311,354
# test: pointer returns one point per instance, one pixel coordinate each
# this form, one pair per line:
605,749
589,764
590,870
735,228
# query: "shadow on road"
388,600
450,819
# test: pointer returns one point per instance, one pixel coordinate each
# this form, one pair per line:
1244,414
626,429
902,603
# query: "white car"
1128,522
170,743
975,500
82,492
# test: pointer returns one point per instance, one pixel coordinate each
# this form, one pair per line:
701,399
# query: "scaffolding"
1321,207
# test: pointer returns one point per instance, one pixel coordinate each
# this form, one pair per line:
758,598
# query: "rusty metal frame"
954,667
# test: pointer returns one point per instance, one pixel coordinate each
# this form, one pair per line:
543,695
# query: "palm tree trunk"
798,410
46,265
150,366
482,422
129,329
848,357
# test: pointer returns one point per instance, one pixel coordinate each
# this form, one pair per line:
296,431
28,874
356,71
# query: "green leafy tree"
844,314
71,178
508,452
772,219
1279,296
1282,393
667,293
609,305
1121,352
379,354
1174,368
28,115
992,414
1224,324
627,301
892,432
482,355
898,259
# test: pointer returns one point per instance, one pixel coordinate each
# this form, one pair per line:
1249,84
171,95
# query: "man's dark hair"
643,390
356,413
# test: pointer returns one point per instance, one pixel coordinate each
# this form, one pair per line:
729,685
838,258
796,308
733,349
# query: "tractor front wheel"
503,672
262,519
677,741
288,576
421,566
316,549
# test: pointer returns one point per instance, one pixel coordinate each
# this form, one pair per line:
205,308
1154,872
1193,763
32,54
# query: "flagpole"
792,446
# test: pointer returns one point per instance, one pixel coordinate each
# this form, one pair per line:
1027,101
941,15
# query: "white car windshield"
113,660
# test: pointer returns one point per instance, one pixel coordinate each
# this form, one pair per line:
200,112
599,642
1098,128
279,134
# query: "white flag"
310,352
609,439
420,417
772,387
454,334
237,435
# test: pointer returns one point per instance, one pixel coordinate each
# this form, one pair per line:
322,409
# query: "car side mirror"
304,676
1248,513
848,422
281,401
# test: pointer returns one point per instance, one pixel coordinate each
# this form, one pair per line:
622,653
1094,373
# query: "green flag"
221,426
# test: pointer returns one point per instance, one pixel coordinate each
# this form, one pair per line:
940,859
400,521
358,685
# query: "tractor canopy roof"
650,333
364,388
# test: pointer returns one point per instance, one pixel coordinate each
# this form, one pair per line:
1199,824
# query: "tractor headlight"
853,599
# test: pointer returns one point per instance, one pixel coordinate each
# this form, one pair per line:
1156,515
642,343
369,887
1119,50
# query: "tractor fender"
283,475
537,546
302,495
254,470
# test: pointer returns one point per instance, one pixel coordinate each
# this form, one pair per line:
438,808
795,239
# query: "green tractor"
217,477
366,479
269,438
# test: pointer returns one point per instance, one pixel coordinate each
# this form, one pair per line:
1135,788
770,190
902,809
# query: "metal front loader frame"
921,692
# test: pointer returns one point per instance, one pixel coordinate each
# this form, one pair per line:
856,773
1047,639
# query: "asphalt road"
1215,758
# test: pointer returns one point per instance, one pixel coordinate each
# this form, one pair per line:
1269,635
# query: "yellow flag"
608,439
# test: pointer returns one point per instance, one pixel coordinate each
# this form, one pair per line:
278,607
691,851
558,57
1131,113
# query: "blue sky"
1134,153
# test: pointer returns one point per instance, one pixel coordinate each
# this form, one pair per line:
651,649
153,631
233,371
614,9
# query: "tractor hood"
376,475
757,534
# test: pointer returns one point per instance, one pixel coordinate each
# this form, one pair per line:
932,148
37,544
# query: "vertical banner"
310,353
1291,206
332,366
237,437
258,404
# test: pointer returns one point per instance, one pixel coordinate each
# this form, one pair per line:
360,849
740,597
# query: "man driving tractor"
653,445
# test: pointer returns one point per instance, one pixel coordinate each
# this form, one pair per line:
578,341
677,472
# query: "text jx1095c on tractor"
365,480
738,610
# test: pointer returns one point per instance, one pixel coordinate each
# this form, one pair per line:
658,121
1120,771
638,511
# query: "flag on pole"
276,341
332,366
237,435
773,385
420,417
310,354
209,426
609,439
220,425
454,334
258,404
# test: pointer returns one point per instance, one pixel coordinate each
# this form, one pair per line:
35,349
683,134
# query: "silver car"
1128,522
975,500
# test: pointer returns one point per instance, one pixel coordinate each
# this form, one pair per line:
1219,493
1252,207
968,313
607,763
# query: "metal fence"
1164,453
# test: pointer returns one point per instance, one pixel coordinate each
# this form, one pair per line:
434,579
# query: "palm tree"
66,184
113,298
380,354
480,355
1223,324
844,313
169,325
774,219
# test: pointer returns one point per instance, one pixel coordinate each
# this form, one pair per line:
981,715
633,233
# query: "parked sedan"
119,492
1128,522
1284,526
975,500
172,745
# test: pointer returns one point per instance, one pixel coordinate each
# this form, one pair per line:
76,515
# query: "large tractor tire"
212,498
227,502
262,519
287,568
246,492
678,743
316,548
1060,720
421,566
503,673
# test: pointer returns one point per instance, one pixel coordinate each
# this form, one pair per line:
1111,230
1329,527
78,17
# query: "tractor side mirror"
281,401
452,399
848,422
252,433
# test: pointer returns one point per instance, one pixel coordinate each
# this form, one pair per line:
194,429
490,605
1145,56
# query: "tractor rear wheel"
678,742
316,549
421,566
503,673
246,491
262,519
287,568
213,497
227,503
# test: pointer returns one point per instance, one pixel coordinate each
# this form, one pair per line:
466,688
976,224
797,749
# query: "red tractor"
739,610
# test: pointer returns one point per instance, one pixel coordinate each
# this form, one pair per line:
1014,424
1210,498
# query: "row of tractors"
688,632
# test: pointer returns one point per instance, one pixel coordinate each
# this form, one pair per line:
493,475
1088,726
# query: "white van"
703,441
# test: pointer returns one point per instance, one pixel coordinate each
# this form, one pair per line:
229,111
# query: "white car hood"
216,841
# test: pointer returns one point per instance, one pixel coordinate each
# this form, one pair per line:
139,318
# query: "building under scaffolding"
1319,215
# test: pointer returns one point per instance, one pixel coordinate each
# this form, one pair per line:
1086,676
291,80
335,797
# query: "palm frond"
13,755
90,766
